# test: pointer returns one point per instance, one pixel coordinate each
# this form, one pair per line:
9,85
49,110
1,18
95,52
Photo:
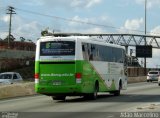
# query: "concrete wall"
16,54
137,79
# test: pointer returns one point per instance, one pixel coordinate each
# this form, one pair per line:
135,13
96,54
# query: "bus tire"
58,97
94,95
118,92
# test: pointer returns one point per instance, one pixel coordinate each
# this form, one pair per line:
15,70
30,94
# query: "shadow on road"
121,98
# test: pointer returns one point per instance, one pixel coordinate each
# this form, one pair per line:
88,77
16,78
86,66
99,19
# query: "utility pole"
145,34
10,11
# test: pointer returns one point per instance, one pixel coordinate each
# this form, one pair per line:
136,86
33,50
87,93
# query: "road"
139,97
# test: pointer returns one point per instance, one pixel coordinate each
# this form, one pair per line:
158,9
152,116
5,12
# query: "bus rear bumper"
59,90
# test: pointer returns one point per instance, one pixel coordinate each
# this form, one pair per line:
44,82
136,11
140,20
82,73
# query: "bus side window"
83,48
85,51
92,48
91,57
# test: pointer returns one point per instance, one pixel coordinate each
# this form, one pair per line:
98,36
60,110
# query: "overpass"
120,39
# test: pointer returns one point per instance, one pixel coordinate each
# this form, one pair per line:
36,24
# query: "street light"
145,32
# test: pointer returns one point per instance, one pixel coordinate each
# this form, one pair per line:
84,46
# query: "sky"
109,16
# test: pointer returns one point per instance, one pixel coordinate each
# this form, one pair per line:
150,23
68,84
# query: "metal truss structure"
121,39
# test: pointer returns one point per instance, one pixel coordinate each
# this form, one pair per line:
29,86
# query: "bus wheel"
58,97
118,92
94,95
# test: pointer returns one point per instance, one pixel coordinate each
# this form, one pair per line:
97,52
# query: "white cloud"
5,18
133,24
76,21
79,21
156,55
152,62
130,26
150,3
53,4
29,30
156,31
33,3
22,28
87,30
87,24
27,2
32,29
92,3
3,35
95,30
4,23
72,3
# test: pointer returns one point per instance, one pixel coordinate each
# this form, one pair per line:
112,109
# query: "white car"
10,78
153,76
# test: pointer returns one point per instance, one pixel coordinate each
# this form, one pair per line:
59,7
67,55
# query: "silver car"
153,76
10,78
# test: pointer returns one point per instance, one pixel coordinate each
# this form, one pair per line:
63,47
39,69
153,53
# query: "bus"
79,66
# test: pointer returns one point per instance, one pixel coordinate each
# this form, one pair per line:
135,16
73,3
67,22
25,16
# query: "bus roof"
85,39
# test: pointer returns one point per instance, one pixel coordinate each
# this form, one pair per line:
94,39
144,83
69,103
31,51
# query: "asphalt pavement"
139,97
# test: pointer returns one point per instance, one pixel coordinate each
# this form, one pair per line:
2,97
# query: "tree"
22,39
11,38
44,32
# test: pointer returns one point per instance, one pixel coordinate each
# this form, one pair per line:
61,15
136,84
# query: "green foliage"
11,38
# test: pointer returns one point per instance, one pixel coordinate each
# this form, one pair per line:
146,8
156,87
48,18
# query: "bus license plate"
57,83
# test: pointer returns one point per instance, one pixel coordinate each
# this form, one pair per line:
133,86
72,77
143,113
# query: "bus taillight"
78,77
36,76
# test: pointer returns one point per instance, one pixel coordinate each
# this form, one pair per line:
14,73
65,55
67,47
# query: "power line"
3,27
29,20
4,30
77,21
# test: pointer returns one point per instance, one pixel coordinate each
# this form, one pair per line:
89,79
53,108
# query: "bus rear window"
55,48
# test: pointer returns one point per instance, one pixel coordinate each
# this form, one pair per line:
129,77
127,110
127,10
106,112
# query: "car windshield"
153,72
5,76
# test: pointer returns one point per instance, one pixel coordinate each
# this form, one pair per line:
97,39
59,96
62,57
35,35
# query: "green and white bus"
78,66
